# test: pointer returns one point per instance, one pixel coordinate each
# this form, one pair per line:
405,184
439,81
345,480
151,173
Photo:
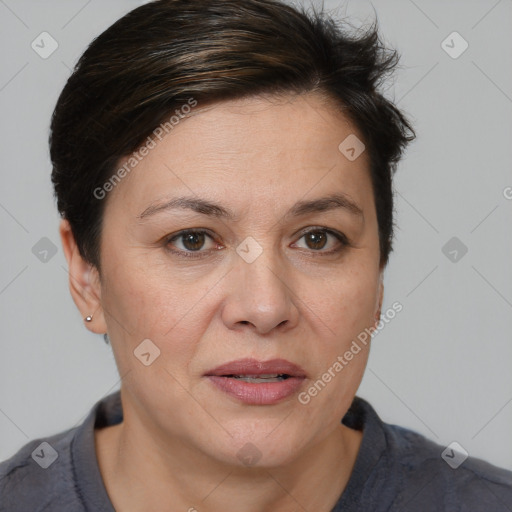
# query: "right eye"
189,241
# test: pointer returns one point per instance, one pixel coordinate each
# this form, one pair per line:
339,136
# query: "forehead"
249,150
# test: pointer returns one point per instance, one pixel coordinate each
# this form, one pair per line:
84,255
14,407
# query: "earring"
106,338
88,318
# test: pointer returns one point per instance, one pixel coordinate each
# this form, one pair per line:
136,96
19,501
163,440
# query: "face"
244,243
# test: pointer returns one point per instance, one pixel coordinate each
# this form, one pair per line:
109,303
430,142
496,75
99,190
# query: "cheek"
343,314
347,304
340,357
141,304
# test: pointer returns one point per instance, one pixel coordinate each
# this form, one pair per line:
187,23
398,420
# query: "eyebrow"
204,207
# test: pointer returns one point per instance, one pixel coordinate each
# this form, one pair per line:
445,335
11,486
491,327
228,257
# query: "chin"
262,447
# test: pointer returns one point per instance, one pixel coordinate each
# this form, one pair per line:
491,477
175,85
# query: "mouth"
256,382
259,378
252,368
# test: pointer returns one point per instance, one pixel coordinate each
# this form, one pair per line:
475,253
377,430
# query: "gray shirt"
396,470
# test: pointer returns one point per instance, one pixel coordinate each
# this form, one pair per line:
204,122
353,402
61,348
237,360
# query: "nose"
260,295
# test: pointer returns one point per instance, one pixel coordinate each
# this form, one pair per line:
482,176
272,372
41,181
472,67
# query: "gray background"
441,367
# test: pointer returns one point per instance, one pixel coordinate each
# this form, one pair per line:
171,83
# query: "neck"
142,471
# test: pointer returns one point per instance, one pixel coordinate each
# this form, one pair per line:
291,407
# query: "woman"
223,170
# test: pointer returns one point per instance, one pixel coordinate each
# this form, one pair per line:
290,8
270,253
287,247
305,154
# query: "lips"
258,382
253,367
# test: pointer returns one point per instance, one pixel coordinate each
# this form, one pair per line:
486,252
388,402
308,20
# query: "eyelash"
344,242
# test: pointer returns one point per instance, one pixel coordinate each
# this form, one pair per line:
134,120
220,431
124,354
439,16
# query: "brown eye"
316,239
323,241
193,241
188,242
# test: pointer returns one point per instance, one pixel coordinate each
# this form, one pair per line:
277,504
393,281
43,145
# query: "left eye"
318,239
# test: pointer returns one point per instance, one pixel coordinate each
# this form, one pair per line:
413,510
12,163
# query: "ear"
84,282
380,296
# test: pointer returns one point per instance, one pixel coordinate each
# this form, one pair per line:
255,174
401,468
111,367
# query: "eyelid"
187,231
341,238
334,232
194,254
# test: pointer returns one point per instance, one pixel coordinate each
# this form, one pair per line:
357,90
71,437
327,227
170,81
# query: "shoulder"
398,469
39,476
445,477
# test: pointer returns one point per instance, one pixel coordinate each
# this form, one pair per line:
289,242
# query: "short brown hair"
158,56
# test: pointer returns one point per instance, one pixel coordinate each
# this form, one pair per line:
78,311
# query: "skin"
256,157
